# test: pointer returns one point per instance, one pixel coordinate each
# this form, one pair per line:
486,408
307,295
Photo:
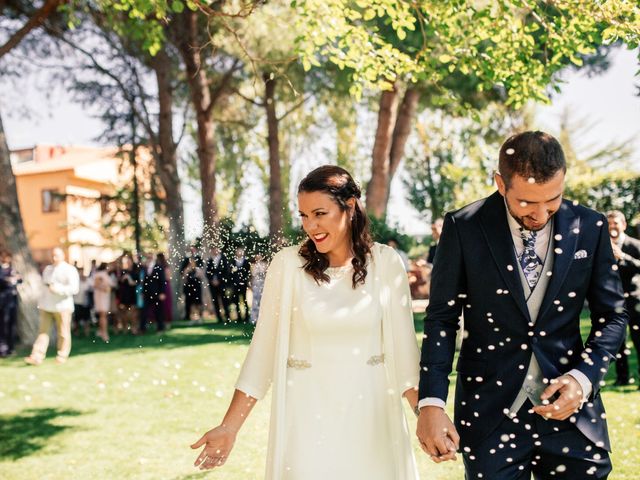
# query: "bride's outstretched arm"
255,376
219,441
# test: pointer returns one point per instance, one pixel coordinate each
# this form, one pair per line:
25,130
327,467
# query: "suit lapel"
566,228
498,235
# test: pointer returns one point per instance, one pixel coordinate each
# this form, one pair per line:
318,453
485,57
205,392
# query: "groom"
518,267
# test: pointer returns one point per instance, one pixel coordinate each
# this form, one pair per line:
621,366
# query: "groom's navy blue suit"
476,273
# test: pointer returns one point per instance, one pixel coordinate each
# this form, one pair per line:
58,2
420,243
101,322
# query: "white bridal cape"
339,360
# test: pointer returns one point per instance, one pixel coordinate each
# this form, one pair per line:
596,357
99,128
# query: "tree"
599,176
12,234
511,48
452,163
208,73
33,17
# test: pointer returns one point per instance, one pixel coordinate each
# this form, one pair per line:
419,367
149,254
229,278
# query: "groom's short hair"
536,155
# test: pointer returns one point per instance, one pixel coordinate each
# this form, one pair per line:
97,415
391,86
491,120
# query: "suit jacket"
629,268
239,275
220,272
154,283
476,274
187,259
431,256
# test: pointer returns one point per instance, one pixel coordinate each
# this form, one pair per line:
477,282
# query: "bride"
335,337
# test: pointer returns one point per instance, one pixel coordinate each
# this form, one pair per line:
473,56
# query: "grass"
130,409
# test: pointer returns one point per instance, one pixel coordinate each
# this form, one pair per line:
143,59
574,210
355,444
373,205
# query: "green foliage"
601,178
619,190
515,45
382,233
454,160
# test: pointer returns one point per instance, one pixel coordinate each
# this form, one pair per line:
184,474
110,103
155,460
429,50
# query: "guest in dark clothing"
436,231
9,279
627,252
167,303
153,288
193,278
217,271
239,275
126,295
191,254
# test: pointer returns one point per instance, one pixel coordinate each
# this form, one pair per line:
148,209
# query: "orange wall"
44,230
48,230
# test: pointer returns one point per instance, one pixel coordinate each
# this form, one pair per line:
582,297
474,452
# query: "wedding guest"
81,311
9,280
627,252
56,307
128,316
193,278
258,273
239,276
217,272
153,288
102,284
167,303
436,231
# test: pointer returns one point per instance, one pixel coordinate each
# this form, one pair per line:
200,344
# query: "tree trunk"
275,173
167,170
394,127
376,189
401,132
200,93
38,17
14,239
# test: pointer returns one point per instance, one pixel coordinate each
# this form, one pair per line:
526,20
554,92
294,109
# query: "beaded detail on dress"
336,273
376,360
298,364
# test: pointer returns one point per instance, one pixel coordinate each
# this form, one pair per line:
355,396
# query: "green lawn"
130,409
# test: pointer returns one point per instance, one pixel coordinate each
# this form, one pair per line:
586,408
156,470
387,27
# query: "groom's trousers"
528,444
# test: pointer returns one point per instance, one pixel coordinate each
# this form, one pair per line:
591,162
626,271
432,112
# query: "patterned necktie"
529,261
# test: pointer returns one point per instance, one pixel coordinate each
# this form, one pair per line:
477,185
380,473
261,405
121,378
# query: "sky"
35,114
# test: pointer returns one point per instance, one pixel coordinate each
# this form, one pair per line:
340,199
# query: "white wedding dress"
341,417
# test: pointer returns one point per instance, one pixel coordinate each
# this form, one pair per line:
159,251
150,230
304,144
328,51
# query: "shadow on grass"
28,432
193,476
180,335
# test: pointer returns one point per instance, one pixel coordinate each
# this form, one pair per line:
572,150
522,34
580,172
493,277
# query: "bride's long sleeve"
257,372
405,346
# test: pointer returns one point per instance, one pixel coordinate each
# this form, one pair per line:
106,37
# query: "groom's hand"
569,398
437,434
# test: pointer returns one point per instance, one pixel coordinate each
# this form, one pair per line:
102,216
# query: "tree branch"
250,100
216,93
295,107
35,21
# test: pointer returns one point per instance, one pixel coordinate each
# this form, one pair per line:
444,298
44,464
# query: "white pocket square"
580,254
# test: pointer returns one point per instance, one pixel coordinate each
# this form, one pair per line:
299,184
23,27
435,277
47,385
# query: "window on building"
51,200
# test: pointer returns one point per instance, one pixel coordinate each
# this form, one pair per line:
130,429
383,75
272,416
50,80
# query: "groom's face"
532,204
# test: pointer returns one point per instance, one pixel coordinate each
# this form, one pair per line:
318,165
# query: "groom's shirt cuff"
584,382
431,402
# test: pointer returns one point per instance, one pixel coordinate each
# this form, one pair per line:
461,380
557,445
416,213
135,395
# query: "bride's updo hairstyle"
340,186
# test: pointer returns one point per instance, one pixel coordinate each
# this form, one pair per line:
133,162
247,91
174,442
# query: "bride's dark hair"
339,184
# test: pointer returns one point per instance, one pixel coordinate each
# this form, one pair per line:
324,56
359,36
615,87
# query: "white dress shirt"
61,284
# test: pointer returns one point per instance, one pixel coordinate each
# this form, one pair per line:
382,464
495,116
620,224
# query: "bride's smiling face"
326,224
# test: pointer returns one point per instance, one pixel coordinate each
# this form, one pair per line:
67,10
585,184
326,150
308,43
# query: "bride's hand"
218,443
